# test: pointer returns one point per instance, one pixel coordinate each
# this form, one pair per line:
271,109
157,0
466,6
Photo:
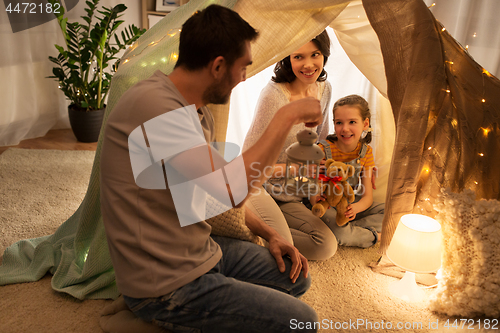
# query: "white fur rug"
40,189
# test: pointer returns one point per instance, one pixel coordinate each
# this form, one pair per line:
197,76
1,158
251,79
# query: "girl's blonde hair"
364,110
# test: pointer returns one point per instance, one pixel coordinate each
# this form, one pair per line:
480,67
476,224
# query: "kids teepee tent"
446,109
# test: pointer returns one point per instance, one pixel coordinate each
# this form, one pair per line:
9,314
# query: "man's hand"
306,110
279,247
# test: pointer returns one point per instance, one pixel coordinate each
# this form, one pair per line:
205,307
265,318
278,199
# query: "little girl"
349,144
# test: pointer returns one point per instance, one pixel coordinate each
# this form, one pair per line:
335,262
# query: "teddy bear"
336,189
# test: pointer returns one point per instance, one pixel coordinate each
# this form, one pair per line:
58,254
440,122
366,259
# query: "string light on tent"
483,100
433,4
174,56
474,35
171,33
481,154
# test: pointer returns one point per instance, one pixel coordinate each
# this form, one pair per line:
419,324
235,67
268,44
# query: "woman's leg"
310,235
264,206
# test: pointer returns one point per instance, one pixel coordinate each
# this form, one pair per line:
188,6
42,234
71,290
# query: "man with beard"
172,272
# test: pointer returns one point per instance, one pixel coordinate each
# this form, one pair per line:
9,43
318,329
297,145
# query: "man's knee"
305,319
300,286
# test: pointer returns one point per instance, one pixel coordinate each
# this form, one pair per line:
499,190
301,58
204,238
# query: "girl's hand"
374,177
351,212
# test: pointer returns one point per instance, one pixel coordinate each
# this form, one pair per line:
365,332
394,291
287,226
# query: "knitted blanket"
470,282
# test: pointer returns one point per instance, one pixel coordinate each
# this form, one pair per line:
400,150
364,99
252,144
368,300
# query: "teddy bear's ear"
350,170
328,162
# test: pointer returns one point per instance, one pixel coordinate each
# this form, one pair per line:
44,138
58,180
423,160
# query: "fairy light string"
429,148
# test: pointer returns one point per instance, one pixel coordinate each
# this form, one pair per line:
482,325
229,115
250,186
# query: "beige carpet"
40,189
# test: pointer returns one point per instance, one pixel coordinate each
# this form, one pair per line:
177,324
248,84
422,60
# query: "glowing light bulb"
481,154
483,100
474,35
476,183
466,47
429,148
433,4
126,60
447,90
486,72
443,29
485,131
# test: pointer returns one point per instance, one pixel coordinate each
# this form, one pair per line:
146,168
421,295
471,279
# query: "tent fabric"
453,124
446,108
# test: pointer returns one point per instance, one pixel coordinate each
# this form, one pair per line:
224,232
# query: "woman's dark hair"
283,70
214,31
364,110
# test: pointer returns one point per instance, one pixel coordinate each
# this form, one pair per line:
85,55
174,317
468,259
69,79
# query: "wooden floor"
62,139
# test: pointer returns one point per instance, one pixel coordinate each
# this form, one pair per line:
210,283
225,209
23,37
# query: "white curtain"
30,103
474,24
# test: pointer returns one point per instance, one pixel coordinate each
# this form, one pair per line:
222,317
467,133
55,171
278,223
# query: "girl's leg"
350,234
372,217
310,235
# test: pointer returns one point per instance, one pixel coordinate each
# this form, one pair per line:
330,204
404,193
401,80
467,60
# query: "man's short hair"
214,31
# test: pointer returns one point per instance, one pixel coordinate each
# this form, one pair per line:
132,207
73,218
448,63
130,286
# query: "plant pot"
86,125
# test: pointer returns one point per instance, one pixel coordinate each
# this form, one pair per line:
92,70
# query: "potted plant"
82,62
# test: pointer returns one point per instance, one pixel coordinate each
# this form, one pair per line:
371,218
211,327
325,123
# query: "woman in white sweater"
299,75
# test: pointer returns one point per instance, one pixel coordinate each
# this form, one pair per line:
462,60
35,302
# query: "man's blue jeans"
244,292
